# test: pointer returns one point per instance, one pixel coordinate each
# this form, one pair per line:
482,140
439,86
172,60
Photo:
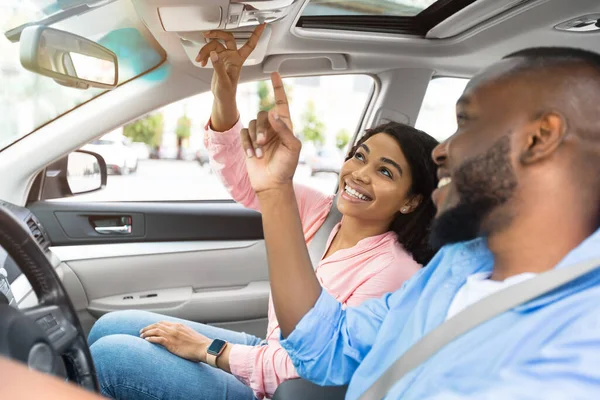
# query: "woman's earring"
404,210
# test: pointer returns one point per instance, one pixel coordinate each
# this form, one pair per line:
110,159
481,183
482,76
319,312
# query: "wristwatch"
214,351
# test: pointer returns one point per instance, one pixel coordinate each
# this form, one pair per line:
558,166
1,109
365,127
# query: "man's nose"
440,153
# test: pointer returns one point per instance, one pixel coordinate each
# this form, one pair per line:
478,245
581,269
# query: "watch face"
216,347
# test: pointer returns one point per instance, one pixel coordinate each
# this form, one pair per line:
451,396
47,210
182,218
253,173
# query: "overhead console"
190,15
188,19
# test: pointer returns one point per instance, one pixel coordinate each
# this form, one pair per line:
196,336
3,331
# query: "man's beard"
482,183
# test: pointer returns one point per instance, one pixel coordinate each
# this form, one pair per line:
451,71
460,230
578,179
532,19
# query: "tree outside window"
183,132
312,126
148,129
341,139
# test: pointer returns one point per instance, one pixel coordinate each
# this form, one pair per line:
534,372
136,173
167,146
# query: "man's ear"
412,204
545,137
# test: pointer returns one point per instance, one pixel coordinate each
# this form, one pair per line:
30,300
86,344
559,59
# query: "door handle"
113,230
111,225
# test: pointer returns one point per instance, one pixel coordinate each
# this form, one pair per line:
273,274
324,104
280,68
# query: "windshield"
28,100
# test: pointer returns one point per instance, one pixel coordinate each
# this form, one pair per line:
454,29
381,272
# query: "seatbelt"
473,316
316,248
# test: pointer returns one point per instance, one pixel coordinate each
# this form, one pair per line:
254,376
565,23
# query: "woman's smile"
356,193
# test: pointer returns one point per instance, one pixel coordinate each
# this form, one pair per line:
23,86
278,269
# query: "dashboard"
11,286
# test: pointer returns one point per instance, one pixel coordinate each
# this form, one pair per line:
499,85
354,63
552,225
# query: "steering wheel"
39,336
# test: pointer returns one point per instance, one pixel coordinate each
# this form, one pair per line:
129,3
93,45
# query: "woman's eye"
386,172
359,156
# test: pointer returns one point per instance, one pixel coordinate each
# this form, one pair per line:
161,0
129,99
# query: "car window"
328,153
401,8
438,110
28,100
406,17
101,142
167,159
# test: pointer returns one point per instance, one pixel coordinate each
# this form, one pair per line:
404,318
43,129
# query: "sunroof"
400,8
413,17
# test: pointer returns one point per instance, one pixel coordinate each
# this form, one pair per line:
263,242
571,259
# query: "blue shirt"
548,348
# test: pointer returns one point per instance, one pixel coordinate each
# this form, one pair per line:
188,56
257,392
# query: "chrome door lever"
113,230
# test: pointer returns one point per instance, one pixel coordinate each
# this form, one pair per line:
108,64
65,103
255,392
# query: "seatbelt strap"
473,316
316,248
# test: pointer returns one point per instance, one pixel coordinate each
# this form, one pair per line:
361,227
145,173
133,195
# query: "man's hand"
227,60
271,148
179,339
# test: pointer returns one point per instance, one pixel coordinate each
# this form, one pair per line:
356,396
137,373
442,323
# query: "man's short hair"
541,57
585,91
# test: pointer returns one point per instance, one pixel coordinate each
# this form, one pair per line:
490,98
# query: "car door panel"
204,262
224,272
69,223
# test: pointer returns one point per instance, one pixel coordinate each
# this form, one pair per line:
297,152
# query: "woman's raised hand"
271,148
227,60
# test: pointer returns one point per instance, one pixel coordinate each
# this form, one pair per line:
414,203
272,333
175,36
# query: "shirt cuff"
222,138
239,362
315,329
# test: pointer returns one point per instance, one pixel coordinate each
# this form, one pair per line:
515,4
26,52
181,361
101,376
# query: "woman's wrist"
276,193
223,359
202,351
224,115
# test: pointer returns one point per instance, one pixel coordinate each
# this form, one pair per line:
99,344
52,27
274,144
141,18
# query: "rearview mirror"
69,59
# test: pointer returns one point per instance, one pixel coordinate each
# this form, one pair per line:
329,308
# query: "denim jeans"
129,367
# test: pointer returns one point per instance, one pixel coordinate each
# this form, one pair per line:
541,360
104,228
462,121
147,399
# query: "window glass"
165,158
406,17
29,100
437,116
401,8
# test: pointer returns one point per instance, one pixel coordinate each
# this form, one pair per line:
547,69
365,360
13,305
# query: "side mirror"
69,59
86,172
80,172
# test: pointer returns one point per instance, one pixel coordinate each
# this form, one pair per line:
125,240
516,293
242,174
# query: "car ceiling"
474,37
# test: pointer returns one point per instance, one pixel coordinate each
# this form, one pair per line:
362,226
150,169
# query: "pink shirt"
375,266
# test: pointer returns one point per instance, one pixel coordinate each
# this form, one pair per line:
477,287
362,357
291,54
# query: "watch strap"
211,360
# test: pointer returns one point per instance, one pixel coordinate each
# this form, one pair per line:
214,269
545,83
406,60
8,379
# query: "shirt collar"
469,257
474,256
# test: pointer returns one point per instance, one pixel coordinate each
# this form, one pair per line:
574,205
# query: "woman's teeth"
353,193
444,181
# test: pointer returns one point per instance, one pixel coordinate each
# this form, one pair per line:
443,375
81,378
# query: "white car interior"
205,261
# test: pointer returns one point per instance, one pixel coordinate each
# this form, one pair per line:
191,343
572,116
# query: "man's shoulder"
461,253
